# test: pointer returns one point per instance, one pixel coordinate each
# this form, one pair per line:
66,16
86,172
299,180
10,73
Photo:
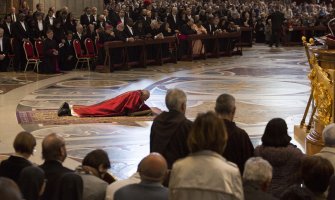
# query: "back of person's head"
31,182
258,170
97,159
153,168
208,132
53,148
24,142
275,134
316,173
329,135
9,190
225,104
175,99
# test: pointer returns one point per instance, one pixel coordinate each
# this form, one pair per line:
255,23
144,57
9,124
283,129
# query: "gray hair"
225,104
257,170
328,135
174,99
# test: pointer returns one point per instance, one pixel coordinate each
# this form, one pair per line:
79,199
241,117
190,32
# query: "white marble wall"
75,6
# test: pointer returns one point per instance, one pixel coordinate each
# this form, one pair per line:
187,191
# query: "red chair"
30,55
90,48
39,49
81,58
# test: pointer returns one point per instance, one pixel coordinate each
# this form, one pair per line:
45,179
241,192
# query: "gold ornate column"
322,78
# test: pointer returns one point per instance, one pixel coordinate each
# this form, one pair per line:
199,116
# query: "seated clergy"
5,49
169,130
129,103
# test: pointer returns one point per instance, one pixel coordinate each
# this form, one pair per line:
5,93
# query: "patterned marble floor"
266,82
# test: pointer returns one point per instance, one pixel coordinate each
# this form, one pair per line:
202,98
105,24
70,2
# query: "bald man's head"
153,168
53,148
145,95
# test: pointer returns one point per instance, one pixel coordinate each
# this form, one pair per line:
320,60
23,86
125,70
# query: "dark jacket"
169,133
239,147
54,171
12,167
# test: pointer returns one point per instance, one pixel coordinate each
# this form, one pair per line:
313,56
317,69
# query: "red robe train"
124,104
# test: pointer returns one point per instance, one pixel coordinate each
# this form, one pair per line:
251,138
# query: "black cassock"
50,61
67,56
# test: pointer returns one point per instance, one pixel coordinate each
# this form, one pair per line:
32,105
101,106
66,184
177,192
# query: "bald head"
329,135
53,148
9,190
145,95
153,168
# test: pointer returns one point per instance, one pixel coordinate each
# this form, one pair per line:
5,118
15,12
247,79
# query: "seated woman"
130,103
50,63
284,157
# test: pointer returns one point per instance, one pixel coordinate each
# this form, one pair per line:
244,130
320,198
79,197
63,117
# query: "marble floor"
267,83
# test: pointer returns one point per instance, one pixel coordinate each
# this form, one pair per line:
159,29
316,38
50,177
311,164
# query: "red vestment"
123,104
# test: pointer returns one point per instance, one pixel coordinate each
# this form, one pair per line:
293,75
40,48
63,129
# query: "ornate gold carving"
322,94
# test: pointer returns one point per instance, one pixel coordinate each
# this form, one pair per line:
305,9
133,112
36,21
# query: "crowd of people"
208,158
130,20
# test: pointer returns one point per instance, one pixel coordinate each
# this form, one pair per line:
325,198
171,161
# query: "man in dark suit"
277,19
39,27
4,51
94,16
174,20
13,14
67,54
80,36
49,20
39,9
152,169
7,26
86,19
54,154
119,18
21,33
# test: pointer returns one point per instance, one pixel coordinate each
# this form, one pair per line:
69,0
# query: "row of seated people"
210,158
22,29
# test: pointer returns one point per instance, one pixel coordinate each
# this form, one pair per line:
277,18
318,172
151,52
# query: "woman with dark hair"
205,174
32,183
284,157
93,171
24,145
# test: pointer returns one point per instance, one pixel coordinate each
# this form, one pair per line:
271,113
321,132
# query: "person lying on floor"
127,104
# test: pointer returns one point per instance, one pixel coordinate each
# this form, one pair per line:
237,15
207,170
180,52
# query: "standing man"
169,130
4,50
239,147
21,33
277,19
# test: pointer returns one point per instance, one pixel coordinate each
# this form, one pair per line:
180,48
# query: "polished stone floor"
267,83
